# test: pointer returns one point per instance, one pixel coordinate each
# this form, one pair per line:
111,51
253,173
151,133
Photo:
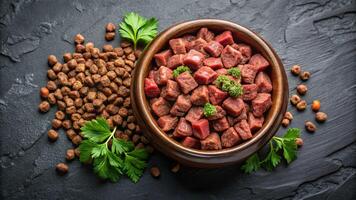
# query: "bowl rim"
140,101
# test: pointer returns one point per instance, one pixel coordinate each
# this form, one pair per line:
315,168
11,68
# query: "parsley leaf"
235,72
252,164
138,29
111,163
180,70
226,84
209,110
286,144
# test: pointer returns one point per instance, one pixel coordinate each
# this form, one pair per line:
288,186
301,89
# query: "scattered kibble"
62,168
110,27
296,69
70,154
315,105
295,99
285,122
299,142
175,168
288,115
304,76
44,92
79,39
44,106
302,105
52,135
155,172
310,126
321,117
302,89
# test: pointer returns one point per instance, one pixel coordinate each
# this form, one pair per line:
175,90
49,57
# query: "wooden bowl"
203,158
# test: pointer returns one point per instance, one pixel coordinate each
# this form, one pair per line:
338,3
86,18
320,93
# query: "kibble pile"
90,83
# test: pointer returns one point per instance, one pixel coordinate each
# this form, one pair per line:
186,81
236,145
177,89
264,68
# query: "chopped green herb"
235,72
287,144
138,29
110,163
226,84
209,110
180,70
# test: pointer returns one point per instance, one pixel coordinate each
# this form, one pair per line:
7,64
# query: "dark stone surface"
319,35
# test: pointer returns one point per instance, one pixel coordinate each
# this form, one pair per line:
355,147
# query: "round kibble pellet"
155,172
295,99
44,106
77,152
52,135
70,154
175,168
304,76
60,115
70,134
302,89
110,36
315,105
110,27
310,126
62,168
67,124
44,92
52,60
79,39
285,122
296,69
299,142
56,124
321,117
77,140
302,105
288,115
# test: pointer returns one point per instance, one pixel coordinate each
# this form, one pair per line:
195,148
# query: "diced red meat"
201,128
186,82
194,114
175,61
225,38
171,91
212,142
221,124
250,92
151,88
233,106
200,95
248,73
230,57
205,34
229,138
162,57
234,120
221,71
255,123
191,142
259,61
178,46
263,82
213,48
194,59
213,63
189,37
183,129
167,122
220,113
162,75
205,75
216,96
198,45
160,107
246,52
152,74
181,106
243,130
261,104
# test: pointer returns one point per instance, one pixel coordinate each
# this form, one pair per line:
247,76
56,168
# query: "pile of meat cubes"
178,102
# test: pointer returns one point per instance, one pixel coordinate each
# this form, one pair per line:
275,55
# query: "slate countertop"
318,35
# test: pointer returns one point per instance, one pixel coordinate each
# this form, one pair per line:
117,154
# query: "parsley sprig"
209,110
226,84
138,29
110,162
285,144
235,72
180,70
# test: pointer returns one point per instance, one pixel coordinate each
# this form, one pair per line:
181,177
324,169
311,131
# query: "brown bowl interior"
203,158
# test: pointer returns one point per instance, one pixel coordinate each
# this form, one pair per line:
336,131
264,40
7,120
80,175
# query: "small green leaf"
290,150
134,163
85,149
209,110
292,133
180,70
252,164
120,146
97,130
235,72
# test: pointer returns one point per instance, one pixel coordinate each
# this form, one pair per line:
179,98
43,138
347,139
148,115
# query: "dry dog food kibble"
296,69
155,172
310,126
321,117
302,89
62,168
315,105
209,91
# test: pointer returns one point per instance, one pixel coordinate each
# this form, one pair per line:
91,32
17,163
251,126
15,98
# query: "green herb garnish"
226,84
138,29
110,163
286,144
209,110
235,72
180,70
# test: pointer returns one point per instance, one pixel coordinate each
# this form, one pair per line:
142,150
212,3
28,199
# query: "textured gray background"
319,35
